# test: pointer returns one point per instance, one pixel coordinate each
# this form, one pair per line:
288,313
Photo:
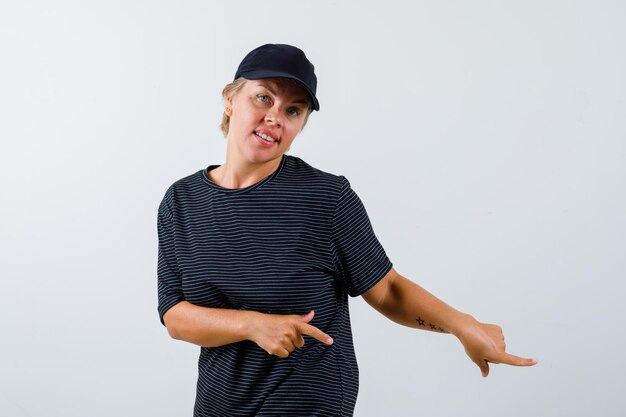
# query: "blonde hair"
231,89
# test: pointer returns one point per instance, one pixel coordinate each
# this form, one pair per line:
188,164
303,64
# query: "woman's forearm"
409,304
277,334
208,327
405,302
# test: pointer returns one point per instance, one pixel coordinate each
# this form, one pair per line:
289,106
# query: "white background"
486,140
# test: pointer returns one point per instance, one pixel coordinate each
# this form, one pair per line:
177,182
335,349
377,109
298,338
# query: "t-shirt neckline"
213,185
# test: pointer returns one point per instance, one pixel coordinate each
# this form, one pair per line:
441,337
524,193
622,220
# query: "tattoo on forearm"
432,326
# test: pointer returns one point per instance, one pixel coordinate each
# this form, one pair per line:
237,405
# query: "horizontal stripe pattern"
296,241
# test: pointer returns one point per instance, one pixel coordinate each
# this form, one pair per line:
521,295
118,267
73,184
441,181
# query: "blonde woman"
257,258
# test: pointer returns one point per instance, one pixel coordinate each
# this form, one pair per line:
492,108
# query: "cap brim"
259,75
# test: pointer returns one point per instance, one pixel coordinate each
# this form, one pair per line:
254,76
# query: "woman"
257,258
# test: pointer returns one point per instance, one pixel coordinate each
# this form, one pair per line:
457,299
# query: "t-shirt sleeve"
359,258
170,290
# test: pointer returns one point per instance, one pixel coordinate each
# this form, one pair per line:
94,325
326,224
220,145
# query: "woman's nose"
272,117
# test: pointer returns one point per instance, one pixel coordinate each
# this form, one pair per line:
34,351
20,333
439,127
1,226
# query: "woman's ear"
228,106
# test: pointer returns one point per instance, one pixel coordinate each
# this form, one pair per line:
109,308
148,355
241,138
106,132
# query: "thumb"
308,316
484,367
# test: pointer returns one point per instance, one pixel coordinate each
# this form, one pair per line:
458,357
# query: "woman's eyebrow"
298,100
267,87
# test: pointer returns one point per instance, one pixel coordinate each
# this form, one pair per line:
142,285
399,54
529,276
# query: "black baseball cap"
280,60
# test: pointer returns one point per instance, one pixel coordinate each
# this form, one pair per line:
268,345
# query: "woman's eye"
262,97
293,112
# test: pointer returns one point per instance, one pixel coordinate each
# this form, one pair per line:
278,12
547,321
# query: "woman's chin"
260,155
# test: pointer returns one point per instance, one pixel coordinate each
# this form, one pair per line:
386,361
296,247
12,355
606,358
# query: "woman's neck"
235,174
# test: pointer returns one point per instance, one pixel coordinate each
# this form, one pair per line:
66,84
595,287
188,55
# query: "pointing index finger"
516,360
316,333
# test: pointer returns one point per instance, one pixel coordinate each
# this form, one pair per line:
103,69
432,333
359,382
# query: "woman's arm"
406,303
211,327
208,327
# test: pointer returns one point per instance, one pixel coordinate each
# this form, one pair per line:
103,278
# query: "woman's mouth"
265,137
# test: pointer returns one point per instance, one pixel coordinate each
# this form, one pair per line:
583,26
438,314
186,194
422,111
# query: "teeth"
266,137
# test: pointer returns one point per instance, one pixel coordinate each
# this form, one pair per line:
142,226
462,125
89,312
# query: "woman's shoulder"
299,168
183,187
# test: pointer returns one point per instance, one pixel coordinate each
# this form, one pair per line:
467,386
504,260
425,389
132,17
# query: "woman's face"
265,117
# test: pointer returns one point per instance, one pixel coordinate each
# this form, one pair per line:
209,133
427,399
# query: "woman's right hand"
280,335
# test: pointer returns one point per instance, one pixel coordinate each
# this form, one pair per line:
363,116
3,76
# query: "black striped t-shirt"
296,241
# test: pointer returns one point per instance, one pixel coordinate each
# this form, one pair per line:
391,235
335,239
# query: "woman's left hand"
484,344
